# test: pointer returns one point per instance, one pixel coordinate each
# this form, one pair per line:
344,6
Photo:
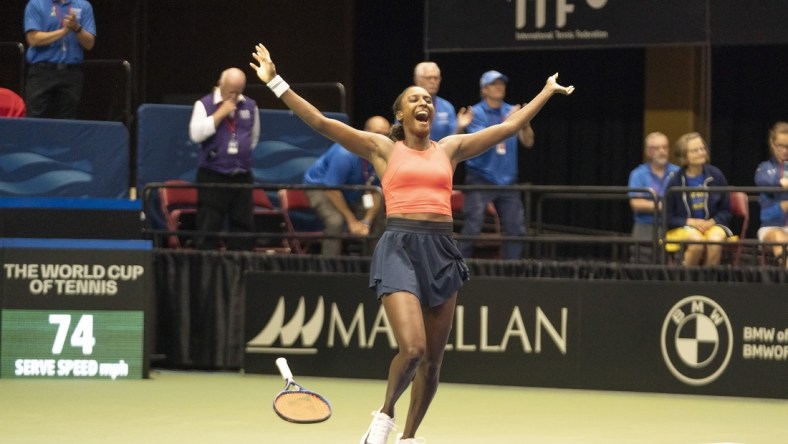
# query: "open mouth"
422,116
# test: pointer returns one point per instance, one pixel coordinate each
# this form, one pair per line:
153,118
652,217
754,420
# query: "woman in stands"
697,215
774,206
416,269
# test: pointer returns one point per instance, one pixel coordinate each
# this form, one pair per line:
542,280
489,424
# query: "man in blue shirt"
497,166
356,211
57,33
445,123
654,173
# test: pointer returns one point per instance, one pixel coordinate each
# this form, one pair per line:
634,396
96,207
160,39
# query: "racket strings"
302,406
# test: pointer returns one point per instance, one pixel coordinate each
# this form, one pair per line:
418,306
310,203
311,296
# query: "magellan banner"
689,338
478,25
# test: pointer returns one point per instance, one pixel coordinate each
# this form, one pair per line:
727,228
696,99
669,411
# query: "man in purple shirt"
226,124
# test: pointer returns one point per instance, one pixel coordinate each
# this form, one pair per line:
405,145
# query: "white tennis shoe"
380,429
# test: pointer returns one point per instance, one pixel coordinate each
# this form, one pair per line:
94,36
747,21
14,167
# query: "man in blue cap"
497,166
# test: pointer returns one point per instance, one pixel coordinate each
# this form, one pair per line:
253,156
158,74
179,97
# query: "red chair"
740,209
11,105
178,204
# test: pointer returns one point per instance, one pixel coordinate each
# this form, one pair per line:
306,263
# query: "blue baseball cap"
491,76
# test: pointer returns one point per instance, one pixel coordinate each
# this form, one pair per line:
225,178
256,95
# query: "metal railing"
537,236
542,239
150,193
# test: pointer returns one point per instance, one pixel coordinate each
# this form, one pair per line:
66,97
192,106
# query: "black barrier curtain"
200,301
200,294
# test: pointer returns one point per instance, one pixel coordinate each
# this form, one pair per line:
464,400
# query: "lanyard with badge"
366,200
232,145
60,19
500,149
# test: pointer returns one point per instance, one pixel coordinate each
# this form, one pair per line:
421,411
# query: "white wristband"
278,86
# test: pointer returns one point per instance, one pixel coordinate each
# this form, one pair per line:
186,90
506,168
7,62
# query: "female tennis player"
416,268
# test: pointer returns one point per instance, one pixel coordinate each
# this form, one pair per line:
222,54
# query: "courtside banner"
712,339
74,308
478,25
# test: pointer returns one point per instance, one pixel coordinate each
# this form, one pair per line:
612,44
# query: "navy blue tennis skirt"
420,257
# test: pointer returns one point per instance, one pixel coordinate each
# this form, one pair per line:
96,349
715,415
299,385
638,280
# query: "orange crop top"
418,181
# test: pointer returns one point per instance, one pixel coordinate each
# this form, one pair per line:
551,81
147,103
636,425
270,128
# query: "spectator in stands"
774,206
497,166
11,105
226,124
428,76
416,270
340,210
57,32
700,215
654,173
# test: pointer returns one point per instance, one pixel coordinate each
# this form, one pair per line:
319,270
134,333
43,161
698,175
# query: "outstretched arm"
465,146
365,144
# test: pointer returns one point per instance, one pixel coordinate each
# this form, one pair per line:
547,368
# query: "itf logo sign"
697,340
562,9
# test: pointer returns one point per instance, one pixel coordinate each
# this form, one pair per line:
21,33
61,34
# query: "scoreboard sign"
74,308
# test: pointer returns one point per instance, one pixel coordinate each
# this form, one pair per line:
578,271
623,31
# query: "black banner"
639,336
478,25
73,308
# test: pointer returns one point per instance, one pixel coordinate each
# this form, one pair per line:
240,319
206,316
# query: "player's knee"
413,353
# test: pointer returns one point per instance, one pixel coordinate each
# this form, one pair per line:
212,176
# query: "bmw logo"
697,340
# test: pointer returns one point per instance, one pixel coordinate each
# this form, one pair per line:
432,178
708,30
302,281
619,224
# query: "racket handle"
284,369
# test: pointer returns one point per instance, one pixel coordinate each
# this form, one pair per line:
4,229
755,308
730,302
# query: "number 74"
81,337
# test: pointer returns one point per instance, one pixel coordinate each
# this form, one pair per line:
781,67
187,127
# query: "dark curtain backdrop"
593,137
749,94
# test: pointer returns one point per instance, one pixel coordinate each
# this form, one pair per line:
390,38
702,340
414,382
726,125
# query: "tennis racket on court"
297,404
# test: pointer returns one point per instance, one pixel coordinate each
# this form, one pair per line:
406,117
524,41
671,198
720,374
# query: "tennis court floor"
203,407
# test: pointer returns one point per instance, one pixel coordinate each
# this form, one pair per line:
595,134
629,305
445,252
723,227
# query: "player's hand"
266,70
552,84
